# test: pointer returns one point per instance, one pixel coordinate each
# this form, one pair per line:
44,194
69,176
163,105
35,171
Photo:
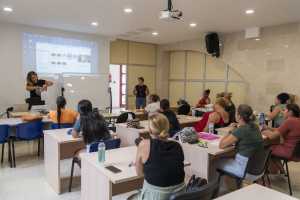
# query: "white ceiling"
210,15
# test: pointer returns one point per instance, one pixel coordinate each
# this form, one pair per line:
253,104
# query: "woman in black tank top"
160,161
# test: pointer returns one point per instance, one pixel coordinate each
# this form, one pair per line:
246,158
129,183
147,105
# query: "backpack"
195,183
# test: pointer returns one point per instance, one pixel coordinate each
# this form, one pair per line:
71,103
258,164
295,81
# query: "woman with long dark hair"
94,127
62,115
84,108
90,125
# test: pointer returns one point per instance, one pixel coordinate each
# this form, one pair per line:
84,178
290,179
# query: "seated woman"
230,108
219,117
246,137
183,107
94,128
171,116
277,112
62,115
204,100
289,131
161,161
84,108
154,105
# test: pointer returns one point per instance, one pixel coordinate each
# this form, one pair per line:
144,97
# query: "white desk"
204,160
128,135
256,192
100,183
58,146
16,121
116,113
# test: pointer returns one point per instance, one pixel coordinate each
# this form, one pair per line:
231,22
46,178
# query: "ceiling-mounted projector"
170,14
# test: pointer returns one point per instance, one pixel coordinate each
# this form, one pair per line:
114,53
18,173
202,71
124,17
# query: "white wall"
12,77
269,66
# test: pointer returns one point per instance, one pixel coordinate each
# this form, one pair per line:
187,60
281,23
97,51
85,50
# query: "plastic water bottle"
261,119
101,152
211,128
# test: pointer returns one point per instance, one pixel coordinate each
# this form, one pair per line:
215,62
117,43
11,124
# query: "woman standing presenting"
141,91
36,86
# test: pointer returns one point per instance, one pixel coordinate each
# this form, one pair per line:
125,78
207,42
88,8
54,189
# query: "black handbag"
195,183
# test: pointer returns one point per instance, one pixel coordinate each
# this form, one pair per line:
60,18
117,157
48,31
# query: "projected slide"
54,58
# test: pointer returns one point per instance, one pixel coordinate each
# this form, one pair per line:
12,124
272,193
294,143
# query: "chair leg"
72,173
288,176
263,180
39,147
13,153
238,183
9,154
2,154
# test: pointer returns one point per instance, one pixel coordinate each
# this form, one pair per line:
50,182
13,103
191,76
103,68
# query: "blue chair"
4,138
27,132
109,144
57,126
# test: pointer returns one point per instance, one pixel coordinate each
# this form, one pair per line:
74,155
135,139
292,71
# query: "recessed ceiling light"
193,24
257,39
128,10
249,11
8,9
155,33
95,24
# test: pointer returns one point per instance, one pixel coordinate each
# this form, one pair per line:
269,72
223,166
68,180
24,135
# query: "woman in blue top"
84,107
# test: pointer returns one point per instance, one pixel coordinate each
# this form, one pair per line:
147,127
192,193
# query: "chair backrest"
257,163
4,133
29,130
207,192
109,144
123,118
57,126
296,152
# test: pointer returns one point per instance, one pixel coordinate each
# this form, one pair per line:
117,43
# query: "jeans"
140,102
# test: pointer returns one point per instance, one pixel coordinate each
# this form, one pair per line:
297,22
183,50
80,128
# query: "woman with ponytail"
62,115
160,161
247,139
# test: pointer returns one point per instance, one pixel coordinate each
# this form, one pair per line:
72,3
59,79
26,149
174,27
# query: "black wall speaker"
212,44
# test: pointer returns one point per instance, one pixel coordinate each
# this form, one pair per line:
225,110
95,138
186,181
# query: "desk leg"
52,163
94,185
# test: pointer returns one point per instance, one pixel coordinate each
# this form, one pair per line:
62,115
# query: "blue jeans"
140,102
236,166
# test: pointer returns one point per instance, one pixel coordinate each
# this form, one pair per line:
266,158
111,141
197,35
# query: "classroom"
149,100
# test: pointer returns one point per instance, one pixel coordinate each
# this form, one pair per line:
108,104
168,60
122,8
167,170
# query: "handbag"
195,183
188,135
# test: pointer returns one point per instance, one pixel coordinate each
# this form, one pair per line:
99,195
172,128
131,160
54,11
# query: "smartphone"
113,169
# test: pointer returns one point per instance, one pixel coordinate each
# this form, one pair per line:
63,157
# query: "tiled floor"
27,181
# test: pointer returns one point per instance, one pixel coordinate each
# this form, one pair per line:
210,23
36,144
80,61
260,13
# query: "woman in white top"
154,105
